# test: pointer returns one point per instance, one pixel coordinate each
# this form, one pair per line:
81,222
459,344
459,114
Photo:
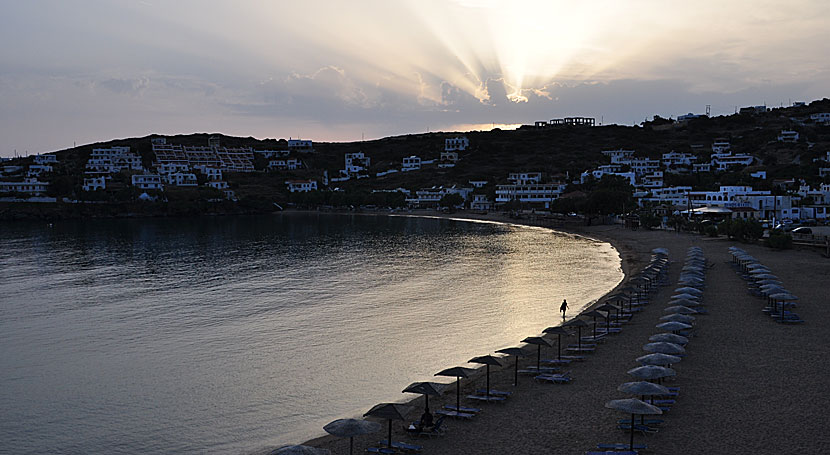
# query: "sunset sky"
93,70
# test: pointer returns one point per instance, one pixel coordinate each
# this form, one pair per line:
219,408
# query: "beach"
748,385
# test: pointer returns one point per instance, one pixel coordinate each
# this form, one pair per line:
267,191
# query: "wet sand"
748,385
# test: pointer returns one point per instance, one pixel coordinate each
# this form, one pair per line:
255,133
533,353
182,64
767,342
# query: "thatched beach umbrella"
594,314
539,342
579,324
390,412
669,338
457,373
783,297
558,331
349,428
680,309
673,326
658,359
518,352
676,317
634,407
426,389
649,372
486,360
663,347
689,290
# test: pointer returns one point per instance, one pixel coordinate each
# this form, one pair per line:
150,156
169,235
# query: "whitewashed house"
726,160
702,167
643,166
181,179
357,163
36,169
788,136
218,184
478,183
289,164
95,183
721,146
301,186
524,178
456,144
542,194
29,186
46,159
823,117
302,146
481,203
147,181
411,163
619,156
211,173
675,196
678,159
652,180
111,160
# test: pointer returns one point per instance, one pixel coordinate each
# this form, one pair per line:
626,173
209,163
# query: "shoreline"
628,262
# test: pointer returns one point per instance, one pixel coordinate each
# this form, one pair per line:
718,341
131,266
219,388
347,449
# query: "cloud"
125,86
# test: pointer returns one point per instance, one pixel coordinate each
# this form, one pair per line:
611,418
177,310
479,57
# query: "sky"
83,71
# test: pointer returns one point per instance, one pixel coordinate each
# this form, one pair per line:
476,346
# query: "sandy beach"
748,385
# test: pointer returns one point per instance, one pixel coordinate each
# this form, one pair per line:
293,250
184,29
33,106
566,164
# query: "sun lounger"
644,429
436,430
488,399
454,414
584,349
498,393
563,378
468,410
649,422
384,450
562,361
665,401
534,370
577,358
612,452
595,339
402,446
621,446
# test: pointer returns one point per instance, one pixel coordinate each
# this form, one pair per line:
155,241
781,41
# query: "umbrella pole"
579,338
426,402
516,373
351,445
487,394
390,434
595,328
559,346
539,357
631,446
458,394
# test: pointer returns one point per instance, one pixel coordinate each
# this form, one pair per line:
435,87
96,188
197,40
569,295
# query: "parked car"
802,230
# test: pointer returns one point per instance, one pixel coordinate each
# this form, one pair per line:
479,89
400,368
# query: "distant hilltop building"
300,145
753,110
456,144
567,121
183,157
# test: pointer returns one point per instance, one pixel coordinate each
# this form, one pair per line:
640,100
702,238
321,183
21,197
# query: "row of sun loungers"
763,283
665,348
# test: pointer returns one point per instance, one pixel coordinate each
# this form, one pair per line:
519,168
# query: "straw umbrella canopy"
579,324
664,347
679,309
676,317
609,308
349,428
689,290
765,276
685,302
518,352
426,389
486,360
673,326
457,373
649,372
299,450
658,359
558,331
669,338
783,297
594,314
634,407
390,412
685,295
539,342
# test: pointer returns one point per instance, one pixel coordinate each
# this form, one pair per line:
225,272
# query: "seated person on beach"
426,421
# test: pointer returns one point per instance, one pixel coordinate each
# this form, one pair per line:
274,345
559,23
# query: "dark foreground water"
233,334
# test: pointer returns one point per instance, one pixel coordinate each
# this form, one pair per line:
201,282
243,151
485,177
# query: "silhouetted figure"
564,307
426,421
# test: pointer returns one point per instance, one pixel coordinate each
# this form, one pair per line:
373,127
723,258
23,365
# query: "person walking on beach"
563,307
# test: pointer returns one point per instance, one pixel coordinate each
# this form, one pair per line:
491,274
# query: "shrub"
711,231
779,241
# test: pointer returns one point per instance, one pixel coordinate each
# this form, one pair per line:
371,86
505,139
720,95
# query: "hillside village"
760,163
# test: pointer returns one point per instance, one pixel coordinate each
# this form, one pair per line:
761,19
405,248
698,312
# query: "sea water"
235,334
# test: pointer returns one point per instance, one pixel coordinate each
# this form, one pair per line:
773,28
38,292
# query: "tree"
451,200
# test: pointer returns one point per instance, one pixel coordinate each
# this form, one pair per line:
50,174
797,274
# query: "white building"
211,173
37,169
524,178
478,183
676,196
759,175
181,179
726,196
301,146
111,160
448,159
726,160
29,186
652,180
95,183
619,156
823,117
643,166
481,203
147,182
172,167
218,184
721,146
430,197
540,193
678,159
702,167
411,163
456,144
356,163
788,136
689,116
602,171
267,154
301,186
46,159
289,164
